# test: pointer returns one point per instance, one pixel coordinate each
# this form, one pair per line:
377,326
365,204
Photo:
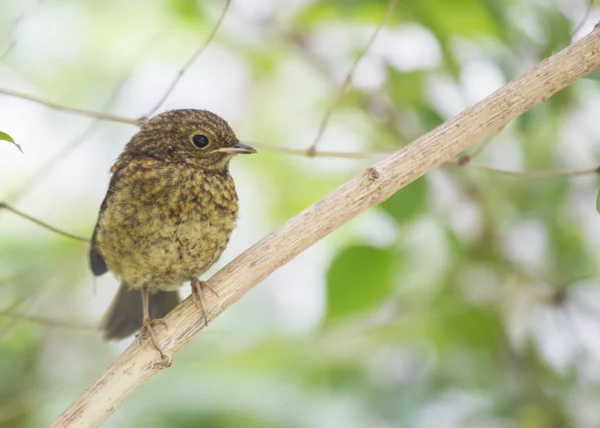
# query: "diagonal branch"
348,80
371,186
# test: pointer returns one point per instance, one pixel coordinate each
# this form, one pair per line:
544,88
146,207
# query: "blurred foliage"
468,299
369,266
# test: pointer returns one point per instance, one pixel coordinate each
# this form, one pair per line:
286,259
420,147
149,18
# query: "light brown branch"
192,59
4,205
348,80
74,110
371,186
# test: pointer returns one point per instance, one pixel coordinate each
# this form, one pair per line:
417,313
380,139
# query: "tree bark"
371,186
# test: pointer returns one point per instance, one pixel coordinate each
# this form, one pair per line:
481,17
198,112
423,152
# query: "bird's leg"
198,296
147,323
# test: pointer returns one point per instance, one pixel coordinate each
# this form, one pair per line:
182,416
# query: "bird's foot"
198,295
148,327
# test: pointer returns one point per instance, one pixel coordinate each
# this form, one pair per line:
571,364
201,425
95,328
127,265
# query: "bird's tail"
124,316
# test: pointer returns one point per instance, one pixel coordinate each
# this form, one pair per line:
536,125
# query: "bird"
168,214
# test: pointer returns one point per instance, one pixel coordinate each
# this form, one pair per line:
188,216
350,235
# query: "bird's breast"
159,231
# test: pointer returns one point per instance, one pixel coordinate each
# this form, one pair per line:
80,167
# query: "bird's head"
194,137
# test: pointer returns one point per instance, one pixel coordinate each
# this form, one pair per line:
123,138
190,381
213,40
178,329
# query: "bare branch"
348,80
41,223
323,154
74,110
192,59
371,186
460,161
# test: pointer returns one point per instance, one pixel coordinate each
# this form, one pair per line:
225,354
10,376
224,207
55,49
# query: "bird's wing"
97,263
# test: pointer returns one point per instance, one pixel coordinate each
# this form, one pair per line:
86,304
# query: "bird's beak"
237,149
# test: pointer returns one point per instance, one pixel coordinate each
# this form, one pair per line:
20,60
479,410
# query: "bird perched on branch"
167,216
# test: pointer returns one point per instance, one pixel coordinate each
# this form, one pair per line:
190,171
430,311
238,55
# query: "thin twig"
192,59
17,24
8,327
492,238
460,161
588,10
323,154
85,134
296,42
10,45
53,283
526,174
348,80
41,223
537,174
74,110
117,118
47,321
481,146
371,186
40,172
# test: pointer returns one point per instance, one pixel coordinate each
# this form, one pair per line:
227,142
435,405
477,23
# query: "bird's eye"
200,141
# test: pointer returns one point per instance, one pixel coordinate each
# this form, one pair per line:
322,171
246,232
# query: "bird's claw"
148,327
198,296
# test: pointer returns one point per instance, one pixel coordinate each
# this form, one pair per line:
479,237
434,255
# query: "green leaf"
598,201
406,87
471,327
358,279
464,18
408,202
5,137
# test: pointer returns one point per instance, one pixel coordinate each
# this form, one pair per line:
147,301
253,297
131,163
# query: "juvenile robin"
167,216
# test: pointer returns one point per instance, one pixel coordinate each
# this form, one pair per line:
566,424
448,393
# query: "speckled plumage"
170,208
